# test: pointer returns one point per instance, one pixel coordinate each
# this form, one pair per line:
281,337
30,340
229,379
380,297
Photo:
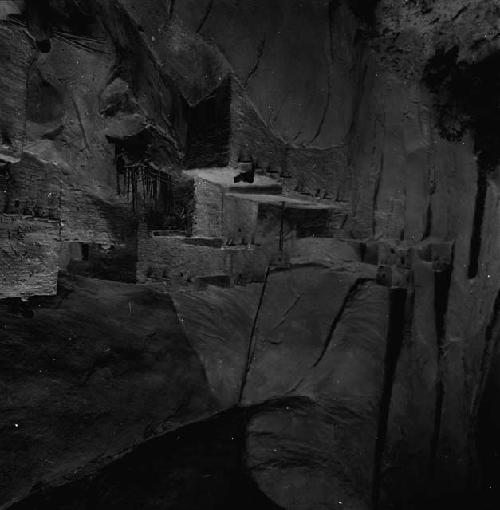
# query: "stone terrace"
238,231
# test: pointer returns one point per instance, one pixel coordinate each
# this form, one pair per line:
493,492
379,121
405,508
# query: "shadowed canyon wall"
351,366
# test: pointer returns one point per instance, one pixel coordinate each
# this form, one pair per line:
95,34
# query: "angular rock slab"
406,466
96,370
298,310
218,323
315,448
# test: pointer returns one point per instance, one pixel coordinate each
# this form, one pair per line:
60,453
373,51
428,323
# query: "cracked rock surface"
249,248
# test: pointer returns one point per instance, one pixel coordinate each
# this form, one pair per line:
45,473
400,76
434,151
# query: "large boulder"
317,372
97,369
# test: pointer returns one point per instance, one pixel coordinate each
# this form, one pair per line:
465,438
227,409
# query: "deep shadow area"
364,10
468,98
116,263
488,439
197,467
209,129
44,16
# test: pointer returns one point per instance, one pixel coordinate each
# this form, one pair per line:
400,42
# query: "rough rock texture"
198,466
17,55
222,344
365,356
96,370
327,363
30,256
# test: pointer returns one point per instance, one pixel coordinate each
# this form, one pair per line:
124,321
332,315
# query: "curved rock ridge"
96,370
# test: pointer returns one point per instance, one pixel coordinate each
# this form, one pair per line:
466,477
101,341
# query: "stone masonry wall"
207,219
171,259
88,213
29,254
34,188
240,220
178,261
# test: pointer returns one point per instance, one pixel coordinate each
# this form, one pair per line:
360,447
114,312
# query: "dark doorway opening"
209,129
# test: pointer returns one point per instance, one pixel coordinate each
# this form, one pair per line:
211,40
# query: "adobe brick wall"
29,255
208,211
47,205
240,220
176,262
88,213
34,188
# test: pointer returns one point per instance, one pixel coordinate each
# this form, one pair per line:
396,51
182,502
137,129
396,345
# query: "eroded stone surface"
387,109
312,450
96,370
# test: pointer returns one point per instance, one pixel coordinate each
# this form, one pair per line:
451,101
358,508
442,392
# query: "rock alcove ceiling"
249,254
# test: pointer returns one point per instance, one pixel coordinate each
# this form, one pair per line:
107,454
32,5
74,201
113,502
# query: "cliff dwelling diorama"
249,254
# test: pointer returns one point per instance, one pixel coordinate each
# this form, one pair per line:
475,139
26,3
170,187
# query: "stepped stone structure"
239,229
275,223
